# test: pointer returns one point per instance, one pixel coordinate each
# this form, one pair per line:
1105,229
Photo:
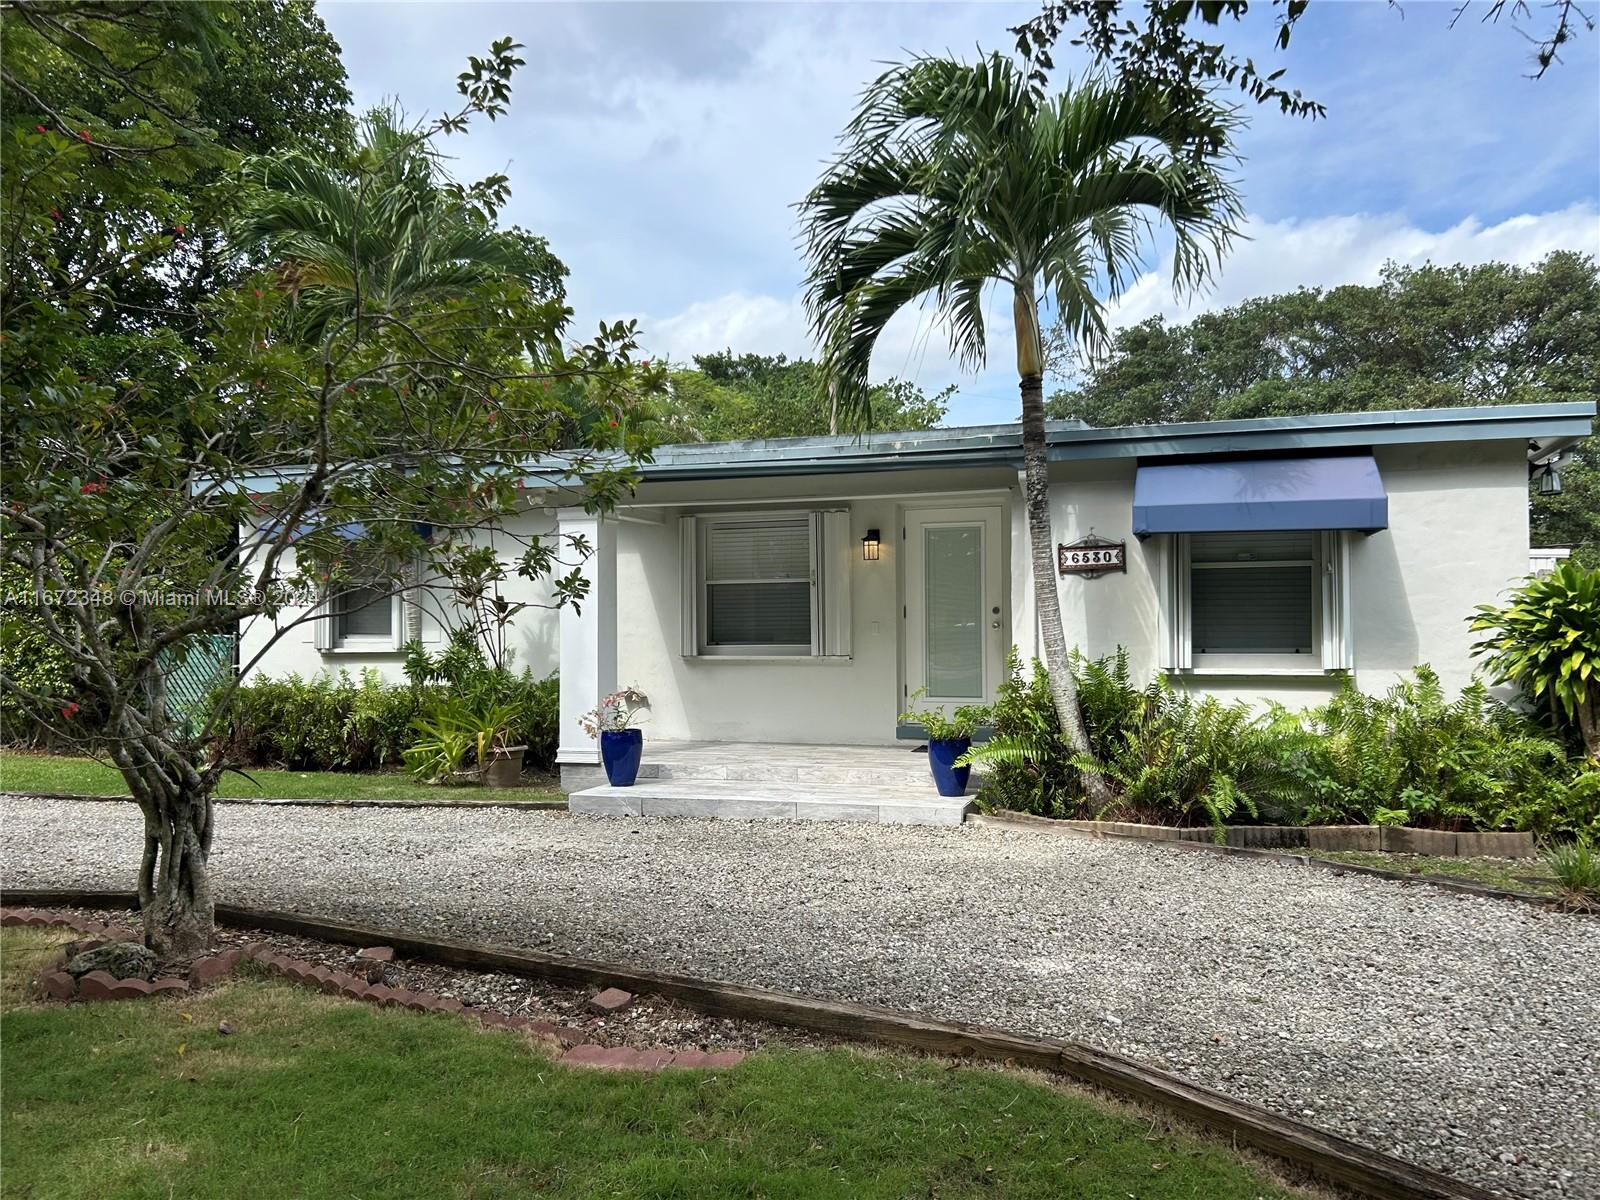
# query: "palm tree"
955,178
381,232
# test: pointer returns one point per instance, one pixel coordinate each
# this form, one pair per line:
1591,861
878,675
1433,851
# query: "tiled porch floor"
888,784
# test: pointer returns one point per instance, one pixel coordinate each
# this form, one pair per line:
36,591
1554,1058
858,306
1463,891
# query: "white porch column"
588,636
1024,622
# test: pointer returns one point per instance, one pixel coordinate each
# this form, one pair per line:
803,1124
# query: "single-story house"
801,590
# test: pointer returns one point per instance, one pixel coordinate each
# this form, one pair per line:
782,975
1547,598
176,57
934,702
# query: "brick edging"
324,802
573,1043
1011,820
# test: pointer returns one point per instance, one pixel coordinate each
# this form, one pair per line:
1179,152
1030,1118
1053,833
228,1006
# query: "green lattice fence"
193,673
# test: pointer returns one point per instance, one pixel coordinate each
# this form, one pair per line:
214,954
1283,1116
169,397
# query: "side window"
1254,593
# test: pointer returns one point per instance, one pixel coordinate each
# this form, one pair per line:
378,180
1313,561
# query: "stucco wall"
532,637
850,701
1457,537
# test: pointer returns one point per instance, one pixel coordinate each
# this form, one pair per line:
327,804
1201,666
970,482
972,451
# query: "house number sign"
1092,557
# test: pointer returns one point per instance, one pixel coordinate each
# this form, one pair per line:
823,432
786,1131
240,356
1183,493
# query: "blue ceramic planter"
950,779
620,750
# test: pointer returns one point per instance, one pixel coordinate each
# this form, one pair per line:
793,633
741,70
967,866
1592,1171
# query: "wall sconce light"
1549,480
870,546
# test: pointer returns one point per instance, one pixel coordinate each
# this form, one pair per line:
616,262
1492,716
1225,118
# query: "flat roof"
1548,428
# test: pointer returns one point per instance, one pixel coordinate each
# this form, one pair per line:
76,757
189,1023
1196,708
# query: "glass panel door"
952,558
954,630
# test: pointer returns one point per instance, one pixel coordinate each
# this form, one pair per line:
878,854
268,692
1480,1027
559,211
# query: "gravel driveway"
1457,1032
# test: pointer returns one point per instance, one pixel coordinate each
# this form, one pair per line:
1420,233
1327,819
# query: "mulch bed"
648,1023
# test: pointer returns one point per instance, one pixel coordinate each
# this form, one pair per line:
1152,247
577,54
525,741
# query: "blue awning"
1262,493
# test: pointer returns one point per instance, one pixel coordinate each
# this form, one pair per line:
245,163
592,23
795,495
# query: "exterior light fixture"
1549,480
870,546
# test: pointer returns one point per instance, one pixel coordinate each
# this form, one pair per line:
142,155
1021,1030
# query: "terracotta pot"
504,768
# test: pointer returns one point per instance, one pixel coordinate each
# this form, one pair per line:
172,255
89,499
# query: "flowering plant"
614,713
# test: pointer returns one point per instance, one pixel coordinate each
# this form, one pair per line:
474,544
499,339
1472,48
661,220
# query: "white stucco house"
798,591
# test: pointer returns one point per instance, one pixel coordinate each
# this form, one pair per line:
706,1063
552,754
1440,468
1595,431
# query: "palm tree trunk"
1041,540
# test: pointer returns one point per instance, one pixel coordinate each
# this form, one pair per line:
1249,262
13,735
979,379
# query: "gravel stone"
1451,1030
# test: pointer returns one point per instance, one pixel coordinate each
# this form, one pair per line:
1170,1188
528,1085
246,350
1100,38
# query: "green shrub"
937,727
1413,757
1026,763
1547,641
1410,756
1171,758
333,723
327,723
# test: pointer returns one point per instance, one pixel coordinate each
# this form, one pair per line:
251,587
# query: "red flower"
84,135
613,424
41,129
351,388
90,489
70,711
258,293
55,213
178,228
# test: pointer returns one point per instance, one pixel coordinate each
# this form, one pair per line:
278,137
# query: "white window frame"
1331,644
829,538
330,641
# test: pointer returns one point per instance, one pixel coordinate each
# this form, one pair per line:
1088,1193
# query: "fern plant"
1412,756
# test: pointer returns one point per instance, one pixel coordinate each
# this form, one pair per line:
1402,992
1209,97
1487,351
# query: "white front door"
955,623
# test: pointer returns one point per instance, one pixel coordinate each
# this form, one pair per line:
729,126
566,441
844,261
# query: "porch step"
825,766
745,800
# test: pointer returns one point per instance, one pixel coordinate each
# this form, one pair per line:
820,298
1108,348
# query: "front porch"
888,785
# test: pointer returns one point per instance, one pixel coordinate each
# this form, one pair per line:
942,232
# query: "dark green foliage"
1414,757
938,727
1547,642
330,722
1423,337
333,722
1172,758
730,397
1409,757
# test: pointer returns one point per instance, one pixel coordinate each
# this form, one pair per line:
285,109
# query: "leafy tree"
730,397
1160,49
956,178
1422,337
380,390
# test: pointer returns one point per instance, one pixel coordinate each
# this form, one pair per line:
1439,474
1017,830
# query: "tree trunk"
174,877
1041,539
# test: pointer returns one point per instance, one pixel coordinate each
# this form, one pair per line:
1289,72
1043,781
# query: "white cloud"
1279,257
1325,252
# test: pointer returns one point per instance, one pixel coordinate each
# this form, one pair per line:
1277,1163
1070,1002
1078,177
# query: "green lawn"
85,777
1509,874
313,1096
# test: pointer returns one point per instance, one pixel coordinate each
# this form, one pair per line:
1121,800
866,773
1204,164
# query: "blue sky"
661,146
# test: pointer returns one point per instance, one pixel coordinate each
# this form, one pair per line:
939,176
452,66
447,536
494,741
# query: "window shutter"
1338,650
833,582
689,602
1176,643
322,623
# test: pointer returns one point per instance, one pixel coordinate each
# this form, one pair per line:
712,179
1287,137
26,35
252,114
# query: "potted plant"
948,739
454,729
621,743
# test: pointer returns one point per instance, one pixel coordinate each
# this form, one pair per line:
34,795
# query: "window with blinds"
758,577
1253,593
363,614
